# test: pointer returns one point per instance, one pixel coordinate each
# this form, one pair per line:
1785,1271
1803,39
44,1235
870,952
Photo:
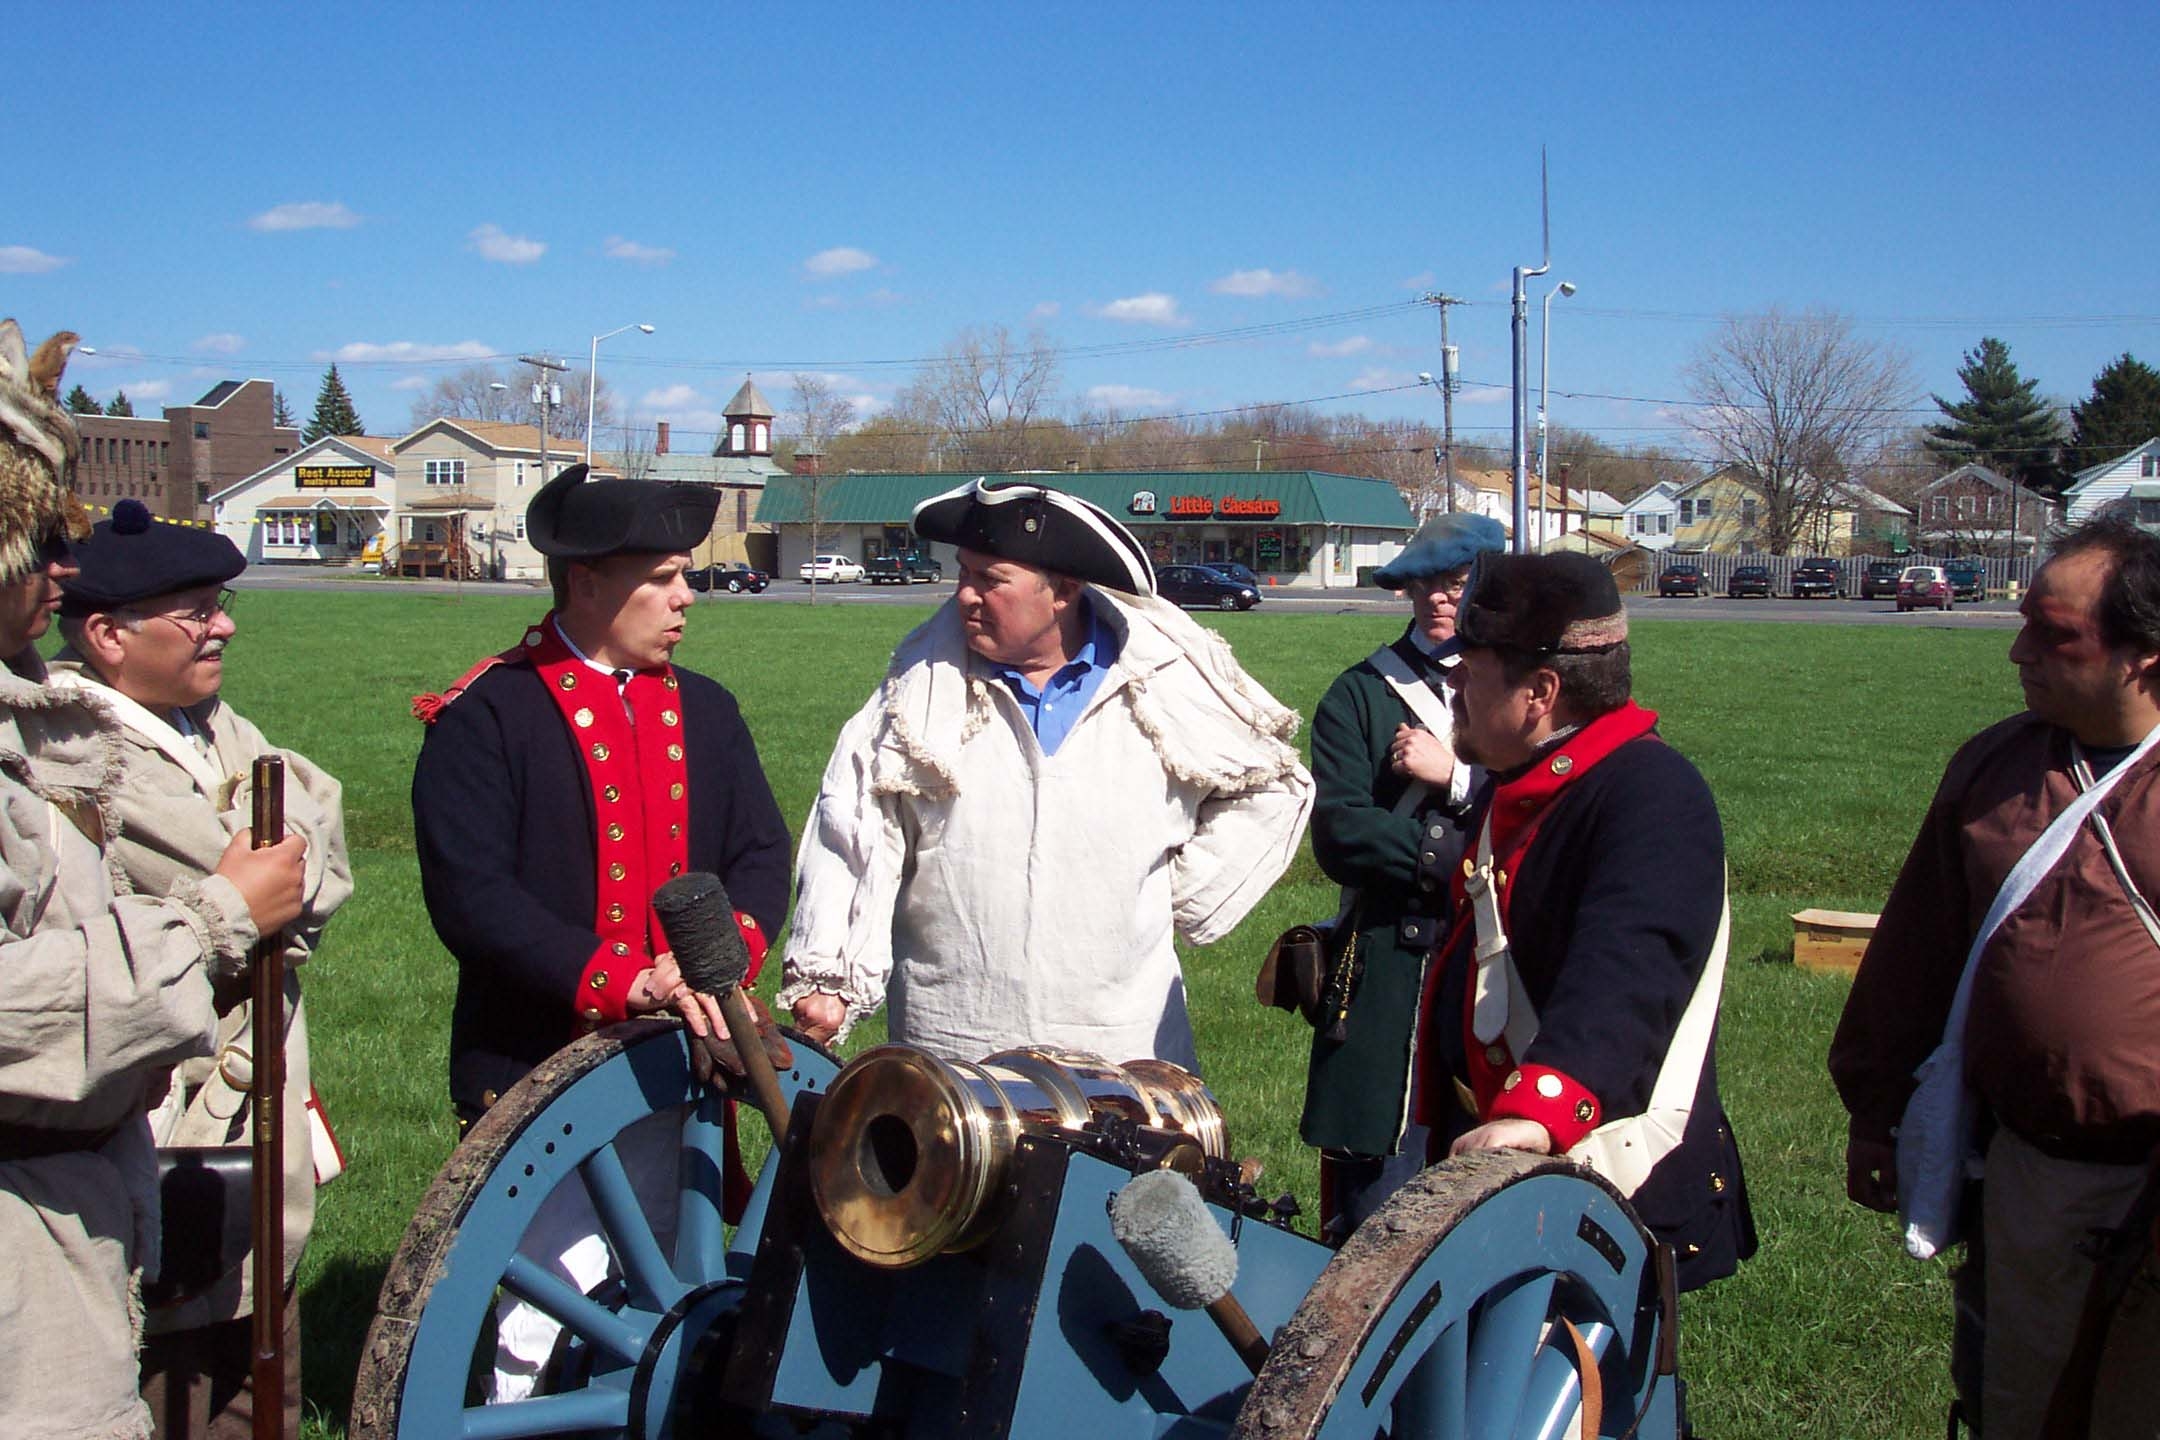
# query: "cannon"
932,1251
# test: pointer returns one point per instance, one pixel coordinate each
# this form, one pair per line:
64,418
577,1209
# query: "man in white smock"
1060,773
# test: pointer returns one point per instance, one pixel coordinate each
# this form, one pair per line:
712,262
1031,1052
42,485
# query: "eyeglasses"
200,617
1450,586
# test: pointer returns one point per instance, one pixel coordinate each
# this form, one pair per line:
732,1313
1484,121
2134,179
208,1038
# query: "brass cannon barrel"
910,1150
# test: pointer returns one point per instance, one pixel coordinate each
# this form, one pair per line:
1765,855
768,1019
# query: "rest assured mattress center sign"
334,477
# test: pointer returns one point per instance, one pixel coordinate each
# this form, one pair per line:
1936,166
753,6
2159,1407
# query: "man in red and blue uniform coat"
1609,866
565,780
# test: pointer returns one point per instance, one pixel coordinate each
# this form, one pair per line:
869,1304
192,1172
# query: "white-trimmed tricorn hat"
1035,525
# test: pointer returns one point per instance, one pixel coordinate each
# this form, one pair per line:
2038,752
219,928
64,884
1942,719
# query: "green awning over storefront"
1221,497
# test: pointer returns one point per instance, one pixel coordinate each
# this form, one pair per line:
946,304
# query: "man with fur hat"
563,782
1388,828
1059,772
106,990
147,621
1573,1007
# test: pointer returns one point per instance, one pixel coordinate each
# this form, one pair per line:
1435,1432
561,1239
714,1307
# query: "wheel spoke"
652,1283
700,1229
591,1321
572,1414
1431,1403
1502,1352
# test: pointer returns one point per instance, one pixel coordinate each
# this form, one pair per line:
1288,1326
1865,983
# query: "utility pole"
547,395
1450,382
1520,334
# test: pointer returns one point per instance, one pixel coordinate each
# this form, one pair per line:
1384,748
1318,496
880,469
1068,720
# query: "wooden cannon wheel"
635,1342
1470,1306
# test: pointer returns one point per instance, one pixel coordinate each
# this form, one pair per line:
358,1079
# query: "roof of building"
219,393
2093,472
696,469
748,401
1306,497
358,447
498,435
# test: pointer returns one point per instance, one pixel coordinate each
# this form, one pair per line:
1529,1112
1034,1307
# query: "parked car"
1236,572
1924,585
1201,587
1680,578
904,568
735,578
1818,579
1879,580
1968,579
830,569
1748,582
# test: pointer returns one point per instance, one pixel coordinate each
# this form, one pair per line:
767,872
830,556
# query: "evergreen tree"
334,412
2000,423
120,405
2122,412
81,402
281,410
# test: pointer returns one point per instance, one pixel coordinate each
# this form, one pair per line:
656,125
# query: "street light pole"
592,379
1519,335
1544,482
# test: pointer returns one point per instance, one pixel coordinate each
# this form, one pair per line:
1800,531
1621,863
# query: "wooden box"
1831,939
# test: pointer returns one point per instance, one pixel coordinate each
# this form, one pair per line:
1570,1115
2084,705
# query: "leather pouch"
1294,975
205,1193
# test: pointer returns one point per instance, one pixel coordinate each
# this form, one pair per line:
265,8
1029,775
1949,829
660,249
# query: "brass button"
567,680
620,949
592,1012
615,914
1494,1055
675,868
583,719
670,682
674,830
674,752
616,871
1562,764
1717,1184
674,791
614,832
1692,1249
488,1099
669,717
1499,879
599,750
610,794
1514,1078
747,922
599,980
1585,1112
1469,868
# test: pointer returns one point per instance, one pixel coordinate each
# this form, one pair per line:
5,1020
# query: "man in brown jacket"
2065,1010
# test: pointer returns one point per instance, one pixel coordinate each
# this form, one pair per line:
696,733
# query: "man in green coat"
1387,827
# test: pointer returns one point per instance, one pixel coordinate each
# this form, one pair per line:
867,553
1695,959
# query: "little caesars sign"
333,477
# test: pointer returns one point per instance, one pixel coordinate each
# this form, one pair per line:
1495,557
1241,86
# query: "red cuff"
753,935
603,988
1553,1098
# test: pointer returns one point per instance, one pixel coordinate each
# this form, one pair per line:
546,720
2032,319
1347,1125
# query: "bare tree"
1795,404
471,394
815,414
980,396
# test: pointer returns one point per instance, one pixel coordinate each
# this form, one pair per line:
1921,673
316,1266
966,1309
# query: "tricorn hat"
38,446
1540,605
1035,525
132,557
575,517
1443,543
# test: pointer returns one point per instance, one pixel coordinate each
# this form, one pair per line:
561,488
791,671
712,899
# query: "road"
1988,615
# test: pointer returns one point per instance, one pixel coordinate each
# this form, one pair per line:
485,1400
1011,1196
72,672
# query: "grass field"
1821,743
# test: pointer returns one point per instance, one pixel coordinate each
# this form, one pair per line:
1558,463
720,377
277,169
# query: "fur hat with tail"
38,446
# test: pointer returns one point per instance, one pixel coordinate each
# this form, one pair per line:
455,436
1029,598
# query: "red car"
1923,585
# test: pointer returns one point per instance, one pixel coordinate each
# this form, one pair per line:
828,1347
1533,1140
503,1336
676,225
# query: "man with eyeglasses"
1387,827
146,621
106,992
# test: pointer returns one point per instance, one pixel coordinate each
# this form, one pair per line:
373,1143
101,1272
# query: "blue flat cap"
1448,542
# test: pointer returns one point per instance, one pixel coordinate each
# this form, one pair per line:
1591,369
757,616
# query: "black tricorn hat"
1541,605
133,557
576,518
1035,525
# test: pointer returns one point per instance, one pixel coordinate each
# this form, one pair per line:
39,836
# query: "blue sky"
255,191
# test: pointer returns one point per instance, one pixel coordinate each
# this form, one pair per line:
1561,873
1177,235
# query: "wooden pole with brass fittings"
268,976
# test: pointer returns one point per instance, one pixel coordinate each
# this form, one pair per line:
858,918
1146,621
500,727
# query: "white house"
2133,475
1651,517
320,505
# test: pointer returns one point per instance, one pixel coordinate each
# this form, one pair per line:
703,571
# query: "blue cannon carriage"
929,1251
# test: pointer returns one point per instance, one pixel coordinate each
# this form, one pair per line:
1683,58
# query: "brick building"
173,464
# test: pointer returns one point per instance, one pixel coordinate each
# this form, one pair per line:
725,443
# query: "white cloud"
138,390
224,342
1153,308
867,405
1128,397
24,260
411,382
824,302
1046,311
840,260
1483,395
406,352
1336,349
879,298
305,215
492,243
672,397
1423,280
1265,282
617,248
1379,377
